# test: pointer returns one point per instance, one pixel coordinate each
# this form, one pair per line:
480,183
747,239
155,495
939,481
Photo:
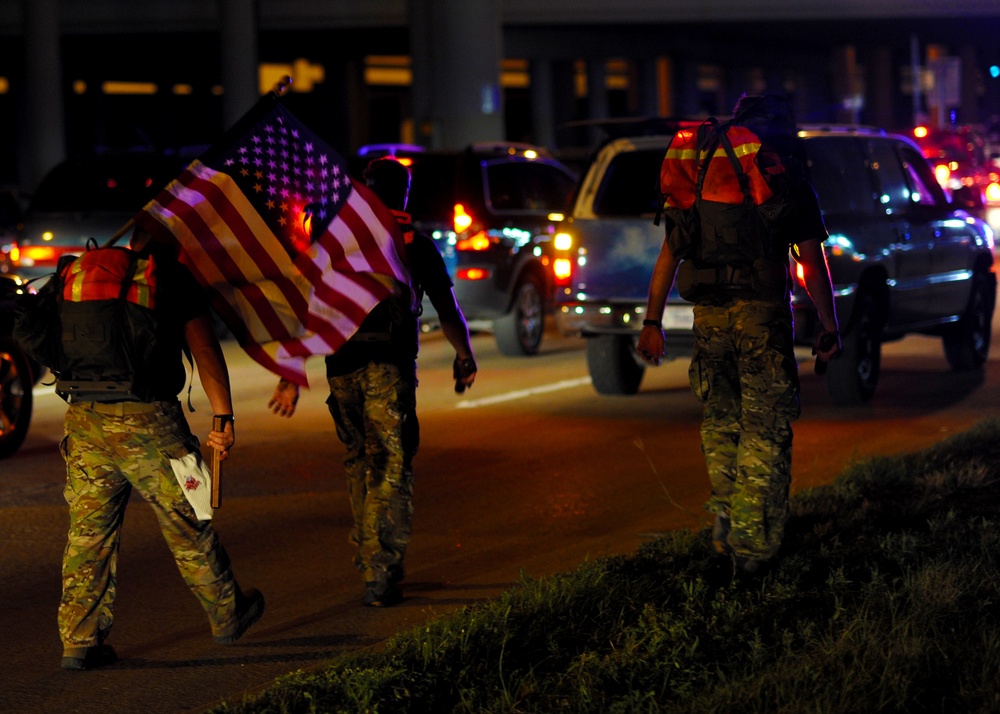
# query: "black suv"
492,210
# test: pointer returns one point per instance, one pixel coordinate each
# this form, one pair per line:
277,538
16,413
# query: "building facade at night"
85,75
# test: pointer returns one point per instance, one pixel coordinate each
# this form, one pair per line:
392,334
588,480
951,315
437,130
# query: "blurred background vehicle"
18,374
965,161
491,209
84,198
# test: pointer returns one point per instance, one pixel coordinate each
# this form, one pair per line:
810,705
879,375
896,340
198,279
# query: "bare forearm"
664,272
211,364
453,323
818,285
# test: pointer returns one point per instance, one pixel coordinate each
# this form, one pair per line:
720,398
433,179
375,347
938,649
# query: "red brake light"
472,274
800,274
562,270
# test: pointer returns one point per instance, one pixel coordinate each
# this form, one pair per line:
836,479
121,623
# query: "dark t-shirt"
804,222
179,299
390,333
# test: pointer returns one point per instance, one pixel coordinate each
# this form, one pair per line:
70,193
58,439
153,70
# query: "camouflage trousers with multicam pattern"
107,456
745,374
374,409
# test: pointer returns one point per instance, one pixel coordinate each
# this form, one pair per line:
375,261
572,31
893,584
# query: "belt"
122,408
371,337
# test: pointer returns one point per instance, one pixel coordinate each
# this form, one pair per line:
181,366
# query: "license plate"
678,317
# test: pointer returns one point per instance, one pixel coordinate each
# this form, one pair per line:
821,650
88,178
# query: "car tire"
967,342
851,377
613,366
16,384
519,332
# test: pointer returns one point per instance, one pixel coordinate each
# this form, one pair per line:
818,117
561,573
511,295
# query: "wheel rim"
529,312
867,366
981,325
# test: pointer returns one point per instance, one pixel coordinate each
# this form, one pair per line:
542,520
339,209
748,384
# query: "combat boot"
249,608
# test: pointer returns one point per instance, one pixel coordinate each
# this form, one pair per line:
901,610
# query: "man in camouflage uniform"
372,400
745,374
111,448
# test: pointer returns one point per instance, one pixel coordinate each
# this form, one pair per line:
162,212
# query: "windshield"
123,184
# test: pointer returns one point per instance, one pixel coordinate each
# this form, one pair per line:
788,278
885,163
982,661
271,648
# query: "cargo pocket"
779,385
698,376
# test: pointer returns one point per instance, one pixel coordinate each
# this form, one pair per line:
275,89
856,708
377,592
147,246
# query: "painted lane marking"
522,393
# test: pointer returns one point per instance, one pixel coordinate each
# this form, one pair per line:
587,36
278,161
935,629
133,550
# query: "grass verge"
885,599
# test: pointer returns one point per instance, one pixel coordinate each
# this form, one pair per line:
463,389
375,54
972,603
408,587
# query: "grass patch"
886,599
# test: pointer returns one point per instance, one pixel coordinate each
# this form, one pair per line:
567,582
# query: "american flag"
294,253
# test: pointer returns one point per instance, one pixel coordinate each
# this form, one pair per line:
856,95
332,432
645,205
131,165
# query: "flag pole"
262,106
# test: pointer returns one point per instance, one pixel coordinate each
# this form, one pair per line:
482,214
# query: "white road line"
521,393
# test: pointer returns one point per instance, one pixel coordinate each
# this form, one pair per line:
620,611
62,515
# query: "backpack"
725,194
93,325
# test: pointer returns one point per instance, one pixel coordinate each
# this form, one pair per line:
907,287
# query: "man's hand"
222,441
826,348
651,344
286,396
464,371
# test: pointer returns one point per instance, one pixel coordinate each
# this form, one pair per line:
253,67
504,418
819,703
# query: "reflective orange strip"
679,171
98,275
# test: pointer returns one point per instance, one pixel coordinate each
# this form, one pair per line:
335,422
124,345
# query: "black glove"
462,369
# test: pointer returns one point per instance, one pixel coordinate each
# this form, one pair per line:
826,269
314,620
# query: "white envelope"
196,482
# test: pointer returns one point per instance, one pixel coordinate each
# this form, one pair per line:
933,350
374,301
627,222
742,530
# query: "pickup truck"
905,258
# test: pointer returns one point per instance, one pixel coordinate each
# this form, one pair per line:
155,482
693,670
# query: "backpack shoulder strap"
741,175
708,139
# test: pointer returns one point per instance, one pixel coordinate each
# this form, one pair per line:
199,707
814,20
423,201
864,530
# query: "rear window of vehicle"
837,170
103,184
904,177
527,186
631,185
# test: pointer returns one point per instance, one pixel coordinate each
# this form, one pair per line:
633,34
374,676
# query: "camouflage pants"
106,457
374,409
745,374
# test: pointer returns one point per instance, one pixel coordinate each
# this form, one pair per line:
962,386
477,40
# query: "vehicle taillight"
38,253
942,173
562,266
14,252
993,192
461,219
562,270
480,241
472,274
562,241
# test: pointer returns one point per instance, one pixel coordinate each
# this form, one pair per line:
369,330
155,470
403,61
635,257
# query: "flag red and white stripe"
294,253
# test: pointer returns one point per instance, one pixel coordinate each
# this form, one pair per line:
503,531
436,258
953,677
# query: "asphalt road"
530,473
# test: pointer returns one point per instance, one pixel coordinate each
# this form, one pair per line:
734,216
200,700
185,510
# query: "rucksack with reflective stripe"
724,195
108,325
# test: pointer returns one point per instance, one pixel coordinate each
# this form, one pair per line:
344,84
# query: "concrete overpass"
483,69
